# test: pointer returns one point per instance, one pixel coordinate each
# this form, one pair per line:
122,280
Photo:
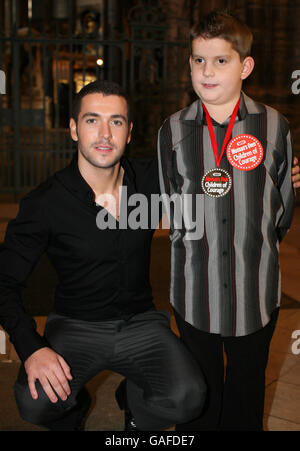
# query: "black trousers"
235,400
164,384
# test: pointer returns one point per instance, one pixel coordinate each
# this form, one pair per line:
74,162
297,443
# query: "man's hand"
51,370
296,174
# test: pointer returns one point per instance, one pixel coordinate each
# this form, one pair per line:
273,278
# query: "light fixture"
100,62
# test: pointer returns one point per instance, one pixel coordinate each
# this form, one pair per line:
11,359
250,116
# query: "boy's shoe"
121,399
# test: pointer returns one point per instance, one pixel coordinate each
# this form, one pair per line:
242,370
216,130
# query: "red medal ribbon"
228,132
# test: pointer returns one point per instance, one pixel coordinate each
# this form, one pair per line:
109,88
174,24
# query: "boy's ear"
73,129
248,66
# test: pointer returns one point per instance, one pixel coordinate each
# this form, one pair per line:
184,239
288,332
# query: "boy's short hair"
220,24
106,88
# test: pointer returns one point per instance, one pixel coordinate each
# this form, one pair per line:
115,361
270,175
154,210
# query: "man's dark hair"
107,88
221,24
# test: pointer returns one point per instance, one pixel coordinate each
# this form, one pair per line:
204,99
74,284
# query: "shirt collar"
72,179
241,115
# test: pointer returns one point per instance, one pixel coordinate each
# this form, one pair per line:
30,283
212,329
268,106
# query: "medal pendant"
216,182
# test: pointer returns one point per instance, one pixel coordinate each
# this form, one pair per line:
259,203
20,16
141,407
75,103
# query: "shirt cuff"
26,342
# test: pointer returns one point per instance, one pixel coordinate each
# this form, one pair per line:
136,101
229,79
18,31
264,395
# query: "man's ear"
73,129
248,66
129,132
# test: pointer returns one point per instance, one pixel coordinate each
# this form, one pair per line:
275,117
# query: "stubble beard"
88,156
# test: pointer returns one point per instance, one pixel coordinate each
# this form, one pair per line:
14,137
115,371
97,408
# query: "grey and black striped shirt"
228,280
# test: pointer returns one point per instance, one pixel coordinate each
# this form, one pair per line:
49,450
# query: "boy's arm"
165,170
25,241
164,148
285,186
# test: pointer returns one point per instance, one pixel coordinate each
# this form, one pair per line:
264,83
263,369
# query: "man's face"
217,71
102,129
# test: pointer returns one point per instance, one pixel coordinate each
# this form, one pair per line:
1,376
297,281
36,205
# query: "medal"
217,182
245,152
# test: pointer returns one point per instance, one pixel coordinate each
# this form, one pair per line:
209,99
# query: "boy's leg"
164,383
244,391
207,349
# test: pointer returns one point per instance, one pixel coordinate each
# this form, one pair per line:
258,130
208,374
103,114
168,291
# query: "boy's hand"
296,173
52,372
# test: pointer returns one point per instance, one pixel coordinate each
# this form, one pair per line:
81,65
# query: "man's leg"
81,344
60,416
244,391
207,349
164,384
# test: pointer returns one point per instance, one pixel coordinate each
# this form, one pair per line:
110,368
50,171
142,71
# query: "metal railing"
45,66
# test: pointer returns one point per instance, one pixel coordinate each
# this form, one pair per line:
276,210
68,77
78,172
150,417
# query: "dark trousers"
164,384
235,400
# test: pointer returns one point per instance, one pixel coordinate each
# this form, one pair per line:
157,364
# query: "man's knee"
38,411
190,400
183,402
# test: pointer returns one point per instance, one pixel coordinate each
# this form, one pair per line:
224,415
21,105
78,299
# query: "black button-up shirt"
103,274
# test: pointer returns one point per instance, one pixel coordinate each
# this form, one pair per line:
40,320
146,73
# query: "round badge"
216,182
244,152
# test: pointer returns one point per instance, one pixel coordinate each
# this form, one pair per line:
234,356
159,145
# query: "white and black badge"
216,182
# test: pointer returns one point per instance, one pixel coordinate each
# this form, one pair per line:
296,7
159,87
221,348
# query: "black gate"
49,49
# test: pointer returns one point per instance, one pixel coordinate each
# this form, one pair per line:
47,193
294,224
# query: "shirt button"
224,220
225,253
119,326
225,285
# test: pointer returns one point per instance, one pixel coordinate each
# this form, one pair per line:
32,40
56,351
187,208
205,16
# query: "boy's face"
217,71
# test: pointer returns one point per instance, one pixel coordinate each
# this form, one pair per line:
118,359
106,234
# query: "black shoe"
121,399
75,418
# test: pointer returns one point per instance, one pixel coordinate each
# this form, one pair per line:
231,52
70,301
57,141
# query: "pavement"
282,403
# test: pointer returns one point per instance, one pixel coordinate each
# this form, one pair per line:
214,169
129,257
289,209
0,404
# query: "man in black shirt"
103,317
